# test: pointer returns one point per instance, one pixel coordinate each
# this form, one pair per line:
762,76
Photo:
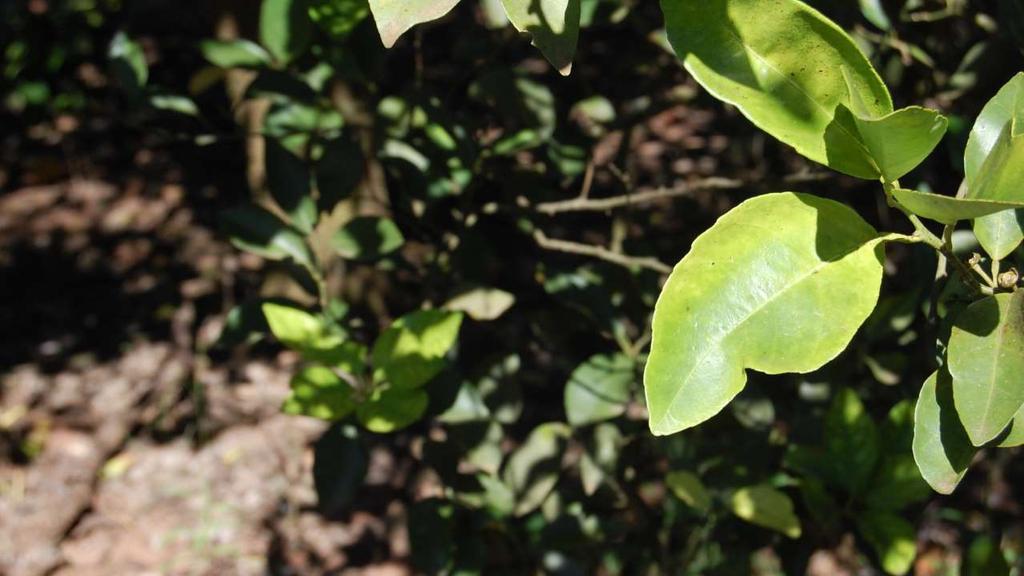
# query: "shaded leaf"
367,238
768,507
886,146
482,304
285,28
234,53
984,558
891,537
687,487
986,361
532,470
288,179
339,467
941,447
387,410
599,389
851,441
755,292
553,25
255,230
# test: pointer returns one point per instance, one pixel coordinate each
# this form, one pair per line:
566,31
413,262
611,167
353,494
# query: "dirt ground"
124,447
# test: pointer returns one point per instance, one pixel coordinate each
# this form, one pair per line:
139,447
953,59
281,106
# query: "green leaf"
288,179
779,284
687,487
314,338
888,146
599,389
255,230
532,470
949,210
986,360
468,406
891,537
392,409
285,28
984,558
875,13
338,172
1015,435
897,484
411,352
851,441
339,467
338,18
942,449
765,506
482,304
367,238
554,26
320,393
782,64
395,17
599,463
992,164
129,62
234,54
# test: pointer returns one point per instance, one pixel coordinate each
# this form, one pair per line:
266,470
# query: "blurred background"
141,429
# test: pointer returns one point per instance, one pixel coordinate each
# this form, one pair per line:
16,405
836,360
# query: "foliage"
438,180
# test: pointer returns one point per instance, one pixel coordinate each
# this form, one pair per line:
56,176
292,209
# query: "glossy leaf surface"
779,284
992,164
782,64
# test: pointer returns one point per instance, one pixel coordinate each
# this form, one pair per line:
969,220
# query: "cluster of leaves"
780,284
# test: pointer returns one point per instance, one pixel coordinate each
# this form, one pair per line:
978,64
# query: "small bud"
975,260
1008,279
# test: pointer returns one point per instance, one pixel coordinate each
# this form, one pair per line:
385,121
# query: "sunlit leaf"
395,17
993,167
285,28
392,409
411,352
782,64
318,392
234,53
779,284
948,209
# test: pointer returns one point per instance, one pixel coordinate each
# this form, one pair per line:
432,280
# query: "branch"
600,253
583,203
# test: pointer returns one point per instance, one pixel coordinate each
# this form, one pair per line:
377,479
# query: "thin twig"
600,253
583,203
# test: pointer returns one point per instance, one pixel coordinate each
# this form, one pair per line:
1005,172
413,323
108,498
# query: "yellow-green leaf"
411,352
392,409
949,210
782,64
891,537
319,392
779,284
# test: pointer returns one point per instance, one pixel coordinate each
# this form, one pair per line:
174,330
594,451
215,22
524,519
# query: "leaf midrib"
731,330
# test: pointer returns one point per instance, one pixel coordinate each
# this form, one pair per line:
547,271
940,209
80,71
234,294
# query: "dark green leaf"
367,238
